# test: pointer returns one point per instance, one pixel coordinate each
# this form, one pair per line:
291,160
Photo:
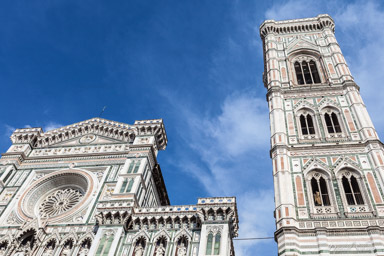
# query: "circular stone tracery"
57,195
59,202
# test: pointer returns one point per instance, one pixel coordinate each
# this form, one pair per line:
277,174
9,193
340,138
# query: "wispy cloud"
293,9
8,130
233,148
51,126
225,140
360,25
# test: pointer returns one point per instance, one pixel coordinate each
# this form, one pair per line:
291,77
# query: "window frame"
336,135
353,209
308,59
213,244
305,112
321,210
126,185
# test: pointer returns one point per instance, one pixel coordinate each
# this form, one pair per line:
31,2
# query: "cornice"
294,26
326,149
120,131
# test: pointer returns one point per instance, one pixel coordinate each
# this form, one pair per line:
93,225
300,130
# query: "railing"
357,208
323,209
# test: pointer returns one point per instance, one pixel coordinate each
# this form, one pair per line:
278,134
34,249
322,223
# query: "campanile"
328,162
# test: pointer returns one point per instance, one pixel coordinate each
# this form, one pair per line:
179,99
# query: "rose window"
56,196
60,202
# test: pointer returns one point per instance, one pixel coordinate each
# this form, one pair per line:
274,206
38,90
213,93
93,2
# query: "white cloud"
256,221
228,142
51,126
293,9
360,25
233,148
9,130
241,127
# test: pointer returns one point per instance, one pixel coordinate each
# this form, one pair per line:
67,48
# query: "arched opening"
209,244
352,190
216,249
67,248
332,123
85,246
299,73
139,247
27,241
3,247
50,247
306,72
320,192
161,246
306,124
182,246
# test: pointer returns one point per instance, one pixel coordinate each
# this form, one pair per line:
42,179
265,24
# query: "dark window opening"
316,193
311,128
332,122
299,74
324,192
307,74
336,123
352,191
328,122
306,124
348,191
356,191
320,192
315,73
303,124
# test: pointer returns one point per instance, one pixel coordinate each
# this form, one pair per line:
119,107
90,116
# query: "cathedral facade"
328,162
95,188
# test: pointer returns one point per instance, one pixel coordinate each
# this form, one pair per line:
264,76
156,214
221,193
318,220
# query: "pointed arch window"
134,166
307,72
209,244
332,122
320,192
127,185
352,190
213,244
306,124
299,73
216,249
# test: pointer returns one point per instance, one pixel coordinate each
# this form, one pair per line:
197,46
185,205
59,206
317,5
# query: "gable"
301,43
87,139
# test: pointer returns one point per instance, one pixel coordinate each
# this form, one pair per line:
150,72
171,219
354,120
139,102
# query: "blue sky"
196,64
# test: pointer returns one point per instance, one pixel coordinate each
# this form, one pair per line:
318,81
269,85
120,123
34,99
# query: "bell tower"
328,162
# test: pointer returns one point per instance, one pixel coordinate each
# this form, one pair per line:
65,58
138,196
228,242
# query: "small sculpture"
182,251
160,250
139,250
317,198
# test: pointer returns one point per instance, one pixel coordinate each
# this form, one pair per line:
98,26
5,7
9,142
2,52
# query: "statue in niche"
85,246
2,251
139,250
24,249
99,218
160,250
83,251
66,250
49,250
182,250
317,198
